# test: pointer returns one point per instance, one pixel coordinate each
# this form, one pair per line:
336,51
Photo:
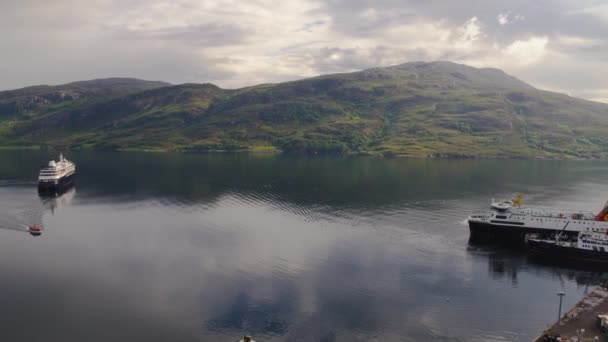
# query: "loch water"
208,247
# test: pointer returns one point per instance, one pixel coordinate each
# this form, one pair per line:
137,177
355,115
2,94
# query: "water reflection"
159,247
506,263
27,215
58,200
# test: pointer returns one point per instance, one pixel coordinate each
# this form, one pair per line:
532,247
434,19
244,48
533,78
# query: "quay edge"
582,316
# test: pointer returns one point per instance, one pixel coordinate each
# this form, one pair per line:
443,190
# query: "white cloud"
471,31
509,18
524,52
503,18
577,41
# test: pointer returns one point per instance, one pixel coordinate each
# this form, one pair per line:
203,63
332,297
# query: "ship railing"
555,212
567,216
480,215
554,209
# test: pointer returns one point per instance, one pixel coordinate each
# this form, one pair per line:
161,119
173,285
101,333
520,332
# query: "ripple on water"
276,256
19,209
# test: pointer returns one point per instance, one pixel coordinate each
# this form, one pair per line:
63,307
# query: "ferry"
56,175
589,246
508,221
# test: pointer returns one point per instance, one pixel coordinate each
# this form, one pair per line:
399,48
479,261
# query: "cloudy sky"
553,44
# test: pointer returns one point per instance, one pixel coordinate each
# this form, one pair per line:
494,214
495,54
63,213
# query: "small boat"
590,246
35,230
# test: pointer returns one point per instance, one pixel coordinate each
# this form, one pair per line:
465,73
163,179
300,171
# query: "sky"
555,45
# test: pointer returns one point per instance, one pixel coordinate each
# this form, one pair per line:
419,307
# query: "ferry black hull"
550,251
62,185
508,234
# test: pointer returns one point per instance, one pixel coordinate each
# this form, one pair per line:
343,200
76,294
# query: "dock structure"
581,322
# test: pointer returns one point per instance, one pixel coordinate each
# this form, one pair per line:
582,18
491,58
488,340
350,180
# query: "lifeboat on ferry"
506,205
501,206
35,230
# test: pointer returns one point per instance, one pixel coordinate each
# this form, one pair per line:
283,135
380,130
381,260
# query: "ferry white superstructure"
509,222
56,174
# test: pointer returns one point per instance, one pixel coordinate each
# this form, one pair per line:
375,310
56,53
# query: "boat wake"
22,220
16,182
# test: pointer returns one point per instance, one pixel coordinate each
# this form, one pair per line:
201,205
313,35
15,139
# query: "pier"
584,315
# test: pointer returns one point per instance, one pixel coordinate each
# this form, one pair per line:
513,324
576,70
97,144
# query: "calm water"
179,247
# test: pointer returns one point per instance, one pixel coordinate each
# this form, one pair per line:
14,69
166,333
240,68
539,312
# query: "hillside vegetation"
413,109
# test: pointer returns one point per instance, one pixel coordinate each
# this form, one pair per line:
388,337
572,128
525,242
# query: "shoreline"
278,151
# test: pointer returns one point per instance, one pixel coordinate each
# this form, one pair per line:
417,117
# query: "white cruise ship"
56,175
510,222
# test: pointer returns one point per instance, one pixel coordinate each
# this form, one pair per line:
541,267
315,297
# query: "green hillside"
413,109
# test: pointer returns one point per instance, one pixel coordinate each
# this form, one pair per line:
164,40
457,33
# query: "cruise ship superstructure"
56,175
510,222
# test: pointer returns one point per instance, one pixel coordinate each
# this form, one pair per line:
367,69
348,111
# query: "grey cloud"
575,79
544,17
597,49
216,34
107,58
312,24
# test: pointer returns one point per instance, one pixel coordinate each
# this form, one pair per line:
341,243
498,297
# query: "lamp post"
559,313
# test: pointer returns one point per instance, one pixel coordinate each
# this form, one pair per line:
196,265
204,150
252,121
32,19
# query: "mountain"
21,103
413,109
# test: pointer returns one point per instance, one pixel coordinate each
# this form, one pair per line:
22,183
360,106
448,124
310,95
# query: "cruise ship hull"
60,185
509,234
551,251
